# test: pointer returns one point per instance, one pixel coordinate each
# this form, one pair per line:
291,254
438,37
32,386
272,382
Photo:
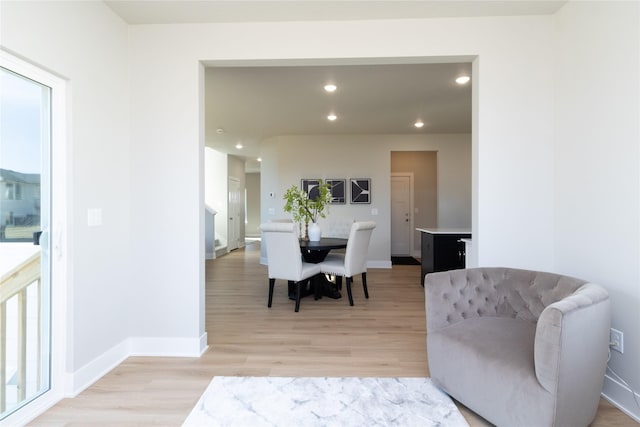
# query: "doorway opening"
414,198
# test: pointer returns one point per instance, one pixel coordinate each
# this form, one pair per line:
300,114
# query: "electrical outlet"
616,340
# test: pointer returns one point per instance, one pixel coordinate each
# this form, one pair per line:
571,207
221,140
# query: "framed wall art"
360,190
338,191
310,186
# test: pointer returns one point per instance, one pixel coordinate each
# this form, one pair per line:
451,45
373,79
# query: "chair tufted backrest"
284,259
337,227
355,258
496,292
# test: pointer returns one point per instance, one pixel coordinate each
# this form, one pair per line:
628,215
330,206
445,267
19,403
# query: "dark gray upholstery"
519,347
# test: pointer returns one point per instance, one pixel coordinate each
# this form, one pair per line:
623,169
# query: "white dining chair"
284,259
337,227
354,261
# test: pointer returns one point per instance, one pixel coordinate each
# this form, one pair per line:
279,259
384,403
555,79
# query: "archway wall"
512,139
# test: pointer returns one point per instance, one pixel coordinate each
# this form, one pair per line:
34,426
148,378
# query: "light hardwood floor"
383,336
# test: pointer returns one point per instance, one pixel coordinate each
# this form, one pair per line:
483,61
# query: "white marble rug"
340,402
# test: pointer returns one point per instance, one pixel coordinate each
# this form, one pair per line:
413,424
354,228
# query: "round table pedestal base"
318,286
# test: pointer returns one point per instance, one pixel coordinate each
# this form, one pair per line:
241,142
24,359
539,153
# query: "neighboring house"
19,204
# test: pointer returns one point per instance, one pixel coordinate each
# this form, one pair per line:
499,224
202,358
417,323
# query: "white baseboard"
220,251
82,378
204,346
621,397
168,347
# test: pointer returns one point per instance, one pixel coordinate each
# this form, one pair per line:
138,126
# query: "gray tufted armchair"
518,347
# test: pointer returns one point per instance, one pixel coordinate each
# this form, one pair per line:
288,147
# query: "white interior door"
235,213
401,217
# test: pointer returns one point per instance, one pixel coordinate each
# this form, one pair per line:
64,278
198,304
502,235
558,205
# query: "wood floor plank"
383,336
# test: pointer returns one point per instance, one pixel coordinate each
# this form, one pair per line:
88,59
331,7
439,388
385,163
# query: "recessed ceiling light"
330,87
259,159
463,80
239,146
219,131
418,124
332,117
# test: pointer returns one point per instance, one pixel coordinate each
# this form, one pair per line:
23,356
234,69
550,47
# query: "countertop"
445,230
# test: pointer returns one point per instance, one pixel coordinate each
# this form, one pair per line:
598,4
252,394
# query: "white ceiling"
254,102
187,11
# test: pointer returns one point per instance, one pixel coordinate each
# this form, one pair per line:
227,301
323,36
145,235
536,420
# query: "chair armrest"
572,341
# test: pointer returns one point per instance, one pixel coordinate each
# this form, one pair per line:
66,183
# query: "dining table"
315,252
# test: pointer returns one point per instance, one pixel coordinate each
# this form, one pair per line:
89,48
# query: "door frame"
59,235
412,251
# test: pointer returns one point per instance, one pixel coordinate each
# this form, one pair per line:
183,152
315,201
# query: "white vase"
314,232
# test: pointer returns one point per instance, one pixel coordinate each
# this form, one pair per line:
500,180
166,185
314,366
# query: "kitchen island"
442,249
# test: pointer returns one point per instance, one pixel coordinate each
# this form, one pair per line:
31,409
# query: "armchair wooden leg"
364,285
349,280
272,282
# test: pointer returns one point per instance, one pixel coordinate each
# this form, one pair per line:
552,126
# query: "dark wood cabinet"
442,250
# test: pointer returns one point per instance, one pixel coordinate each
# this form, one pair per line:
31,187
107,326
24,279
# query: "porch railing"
20,296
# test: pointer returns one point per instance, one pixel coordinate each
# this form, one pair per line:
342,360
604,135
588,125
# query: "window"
12,191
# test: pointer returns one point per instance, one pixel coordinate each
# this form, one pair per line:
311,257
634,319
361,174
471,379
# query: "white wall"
598,164
367,156
453,175
86,43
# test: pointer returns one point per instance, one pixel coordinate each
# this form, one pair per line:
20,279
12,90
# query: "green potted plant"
306,209
295,205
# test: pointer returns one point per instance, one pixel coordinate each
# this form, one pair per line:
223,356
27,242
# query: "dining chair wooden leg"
316,283
364,285
339,282
272,283
298,286
349,280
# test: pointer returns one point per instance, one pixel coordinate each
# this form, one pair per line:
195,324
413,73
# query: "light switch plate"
94,217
